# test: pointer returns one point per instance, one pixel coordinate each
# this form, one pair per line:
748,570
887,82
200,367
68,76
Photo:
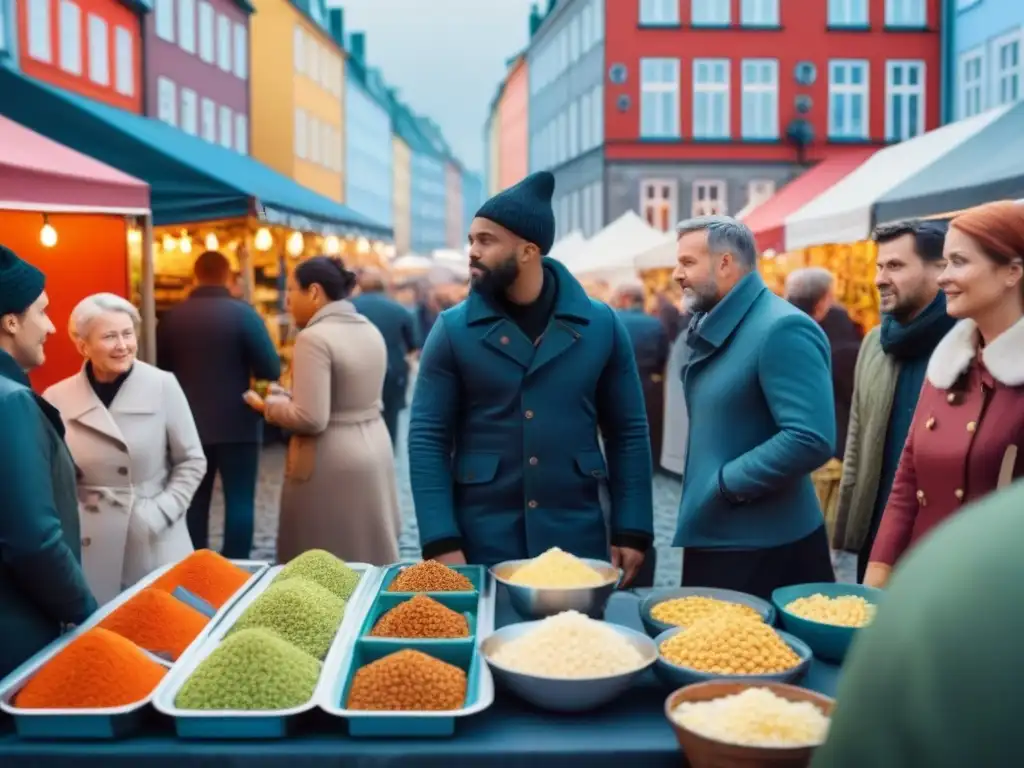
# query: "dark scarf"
919,337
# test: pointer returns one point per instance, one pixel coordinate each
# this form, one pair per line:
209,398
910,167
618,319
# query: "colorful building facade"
427,181
368,147
296,112
197,68
492,145
987,69
91,47
455,230
8,37
401,165
514,130
472,199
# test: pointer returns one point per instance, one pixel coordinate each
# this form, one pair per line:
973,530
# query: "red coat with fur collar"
967,432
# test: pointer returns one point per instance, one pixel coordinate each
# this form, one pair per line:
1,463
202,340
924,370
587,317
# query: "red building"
91,47
710,105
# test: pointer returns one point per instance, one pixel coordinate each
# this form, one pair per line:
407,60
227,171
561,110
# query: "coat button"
531,504
930,424
504,339
972,426
959,493
86,541
921,499
122,470
534,461
528,414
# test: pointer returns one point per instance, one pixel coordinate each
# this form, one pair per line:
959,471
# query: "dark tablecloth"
508,735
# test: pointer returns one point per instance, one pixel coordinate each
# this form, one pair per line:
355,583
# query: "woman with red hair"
969,423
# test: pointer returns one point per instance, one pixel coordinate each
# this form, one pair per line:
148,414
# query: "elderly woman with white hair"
136,447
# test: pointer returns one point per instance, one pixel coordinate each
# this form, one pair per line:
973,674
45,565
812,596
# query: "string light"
363,245
134,236
185,243
169,243
212,243
296,244
263,240
332,245
47,235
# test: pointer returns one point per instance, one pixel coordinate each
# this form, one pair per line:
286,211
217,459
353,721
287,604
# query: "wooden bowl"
702,752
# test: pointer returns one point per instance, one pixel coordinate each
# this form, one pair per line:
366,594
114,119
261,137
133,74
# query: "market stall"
609,255
82,223
567,248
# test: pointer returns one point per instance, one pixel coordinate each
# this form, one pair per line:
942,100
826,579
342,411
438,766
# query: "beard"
494,282
901,307
701,298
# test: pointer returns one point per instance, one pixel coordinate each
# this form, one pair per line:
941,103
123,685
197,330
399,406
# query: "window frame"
849,91
748,8
709,13
208,109
189,106
124,71
656,88
653,207
187,33
99,66
966,89
167,100
848,21
697,206
69,36
39,20
906,91
224,32
919,20
711,89
164,23
240,51
658,13
757,89
999,75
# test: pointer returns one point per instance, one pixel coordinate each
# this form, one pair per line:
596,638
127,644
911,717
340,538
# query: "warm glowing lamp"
296,244
263,240
47,235
332,245
212,243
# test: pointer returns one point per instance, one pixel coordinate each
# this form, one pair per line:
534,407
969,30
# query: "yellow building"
297,93
402,191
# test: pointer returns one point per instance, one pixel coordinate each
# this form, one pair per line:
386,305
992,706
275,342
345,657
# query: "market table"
508,735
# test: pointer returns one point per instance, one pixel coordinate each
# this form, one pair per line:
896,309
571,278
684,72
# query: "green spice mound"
303,613
322,568
251,670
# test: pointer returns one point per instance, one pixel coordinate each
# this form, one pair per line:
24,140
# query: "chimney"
336,25
357,46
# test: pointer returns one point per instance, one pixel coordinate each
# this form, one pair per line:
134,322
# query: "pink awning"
39,174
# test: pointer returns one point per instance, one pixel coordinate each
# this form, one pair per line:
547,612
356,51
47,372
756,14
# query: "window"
587,28
711,98
759,13
206,46
599,20
167,101
242,134
711,12
99,55
227,127
574,39
597,106
708,198
3,27
223,42
70,37
187,25
124,61
586,135
759,191
301,134
574,129
313,59
848,13
972,89
905,13
563,137
575,211
209,120
313,139
760,99
659,98
658,203
165,19
39,30
597,201
1006,58
904,99
189,112
241,52
848,99
657,12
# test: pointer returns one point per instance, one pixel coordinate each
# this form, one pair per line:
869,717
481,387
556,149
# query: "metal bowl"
565,694
677,676
828,641
541,602
655,627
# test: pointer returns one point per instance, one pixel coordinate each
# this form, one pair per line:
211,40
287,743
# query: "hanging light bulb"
263,240
134,236
362,245
185,243
169,243
47,235
212,243
296,244
332,245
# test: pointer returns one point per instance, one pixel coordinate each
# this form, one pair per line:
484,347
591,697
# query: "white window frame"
597,105
240,51
911,14
1011,78
189,122
574,40
313,138
40,39
164,22
759,191
659,13
705,206
301,134
208,120
223,42
124,61
971,94
849,92
167,100
207,20
241,134
654,86
225,126
849,13
761,121
711,13
904,91
702,123
99,50
70,35
574,129
587,27
187,25
653,206
759,13
586,132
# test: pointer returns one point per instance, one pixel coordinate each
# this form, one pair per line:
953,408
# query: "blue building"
369,157
8,38
987,69
428,192
472,196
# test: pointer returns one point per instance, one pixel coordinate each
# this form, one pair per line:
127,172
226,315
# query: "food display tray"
250,724
108,722
345,659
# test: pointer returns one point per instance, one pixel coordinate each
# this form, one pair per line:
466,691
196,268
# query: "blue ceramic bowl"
655,628
828,641
677,676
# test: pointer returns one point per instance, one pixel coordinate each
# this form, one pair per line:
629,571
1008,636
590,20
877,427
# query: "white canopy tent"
450,260
661,256
843,213
609,254
566,249
412,262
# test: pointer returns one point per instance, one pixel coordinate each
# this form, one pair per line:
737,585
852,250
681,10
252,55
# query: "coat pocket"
301,459
476,468
592,464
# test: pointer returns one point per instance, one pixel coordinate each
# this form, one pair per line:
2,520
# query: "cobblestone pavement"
666,504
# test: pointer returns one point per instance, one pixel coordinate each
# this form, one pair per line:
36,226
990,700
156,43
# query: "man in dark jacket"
215,345
397,326
42,586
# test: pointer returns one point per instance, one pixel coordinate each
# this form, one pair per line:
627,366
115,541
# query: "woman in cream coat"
135,445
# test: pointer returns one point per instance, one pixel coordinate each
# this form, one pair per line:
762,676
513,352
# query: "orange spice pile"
408,681
430,576
421,617
207,575
156,621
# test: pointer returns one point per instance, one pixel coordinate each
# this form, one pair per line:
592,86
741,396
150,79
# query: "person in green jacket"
935,682
42,587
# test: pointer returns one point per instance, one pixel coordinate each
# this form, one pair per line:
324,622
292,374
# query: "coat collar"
958,348
721,321
342,308
571,302
10,369
78,401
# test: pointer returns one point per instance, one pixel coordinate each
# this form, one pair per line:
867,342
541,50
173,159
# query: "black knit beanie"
525,210
20,283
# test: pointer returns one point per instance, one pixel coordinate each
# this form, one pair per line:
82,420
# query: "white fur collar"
1004,357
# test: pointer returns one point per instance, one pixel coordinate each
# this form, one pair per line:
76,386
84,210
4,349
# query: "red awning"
768,220
37,173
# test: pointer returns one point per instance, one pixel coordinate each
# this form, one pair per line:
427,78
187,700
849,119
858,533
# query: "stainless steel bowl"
540,602
566,694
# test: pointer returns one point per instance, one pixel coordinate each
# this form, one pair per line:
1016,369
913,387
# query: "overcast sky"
446,57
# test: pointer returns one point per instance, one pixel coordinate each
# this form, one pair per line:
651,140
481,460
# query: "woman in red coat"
969,424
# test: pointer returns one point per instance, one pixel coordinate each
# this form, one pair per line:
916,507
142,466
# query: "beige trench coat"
139,464
339,492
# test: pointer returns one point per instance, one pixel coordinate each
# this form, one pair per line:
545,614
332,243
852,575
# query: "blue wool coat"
503,438
759,396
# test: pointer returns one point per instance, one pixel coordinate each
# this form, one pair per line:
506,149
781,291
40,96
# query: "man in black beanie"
516,385
42,587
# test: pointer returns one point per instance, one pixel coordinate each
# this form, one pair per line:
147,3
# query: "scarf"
919,337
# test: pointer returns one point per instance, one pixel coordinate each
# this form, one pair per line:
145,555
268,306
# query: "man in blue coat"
758,390
42,587
514,386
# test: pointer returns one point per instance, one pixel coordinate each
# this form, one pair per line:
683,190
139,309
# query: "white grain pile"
569,646
756,717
